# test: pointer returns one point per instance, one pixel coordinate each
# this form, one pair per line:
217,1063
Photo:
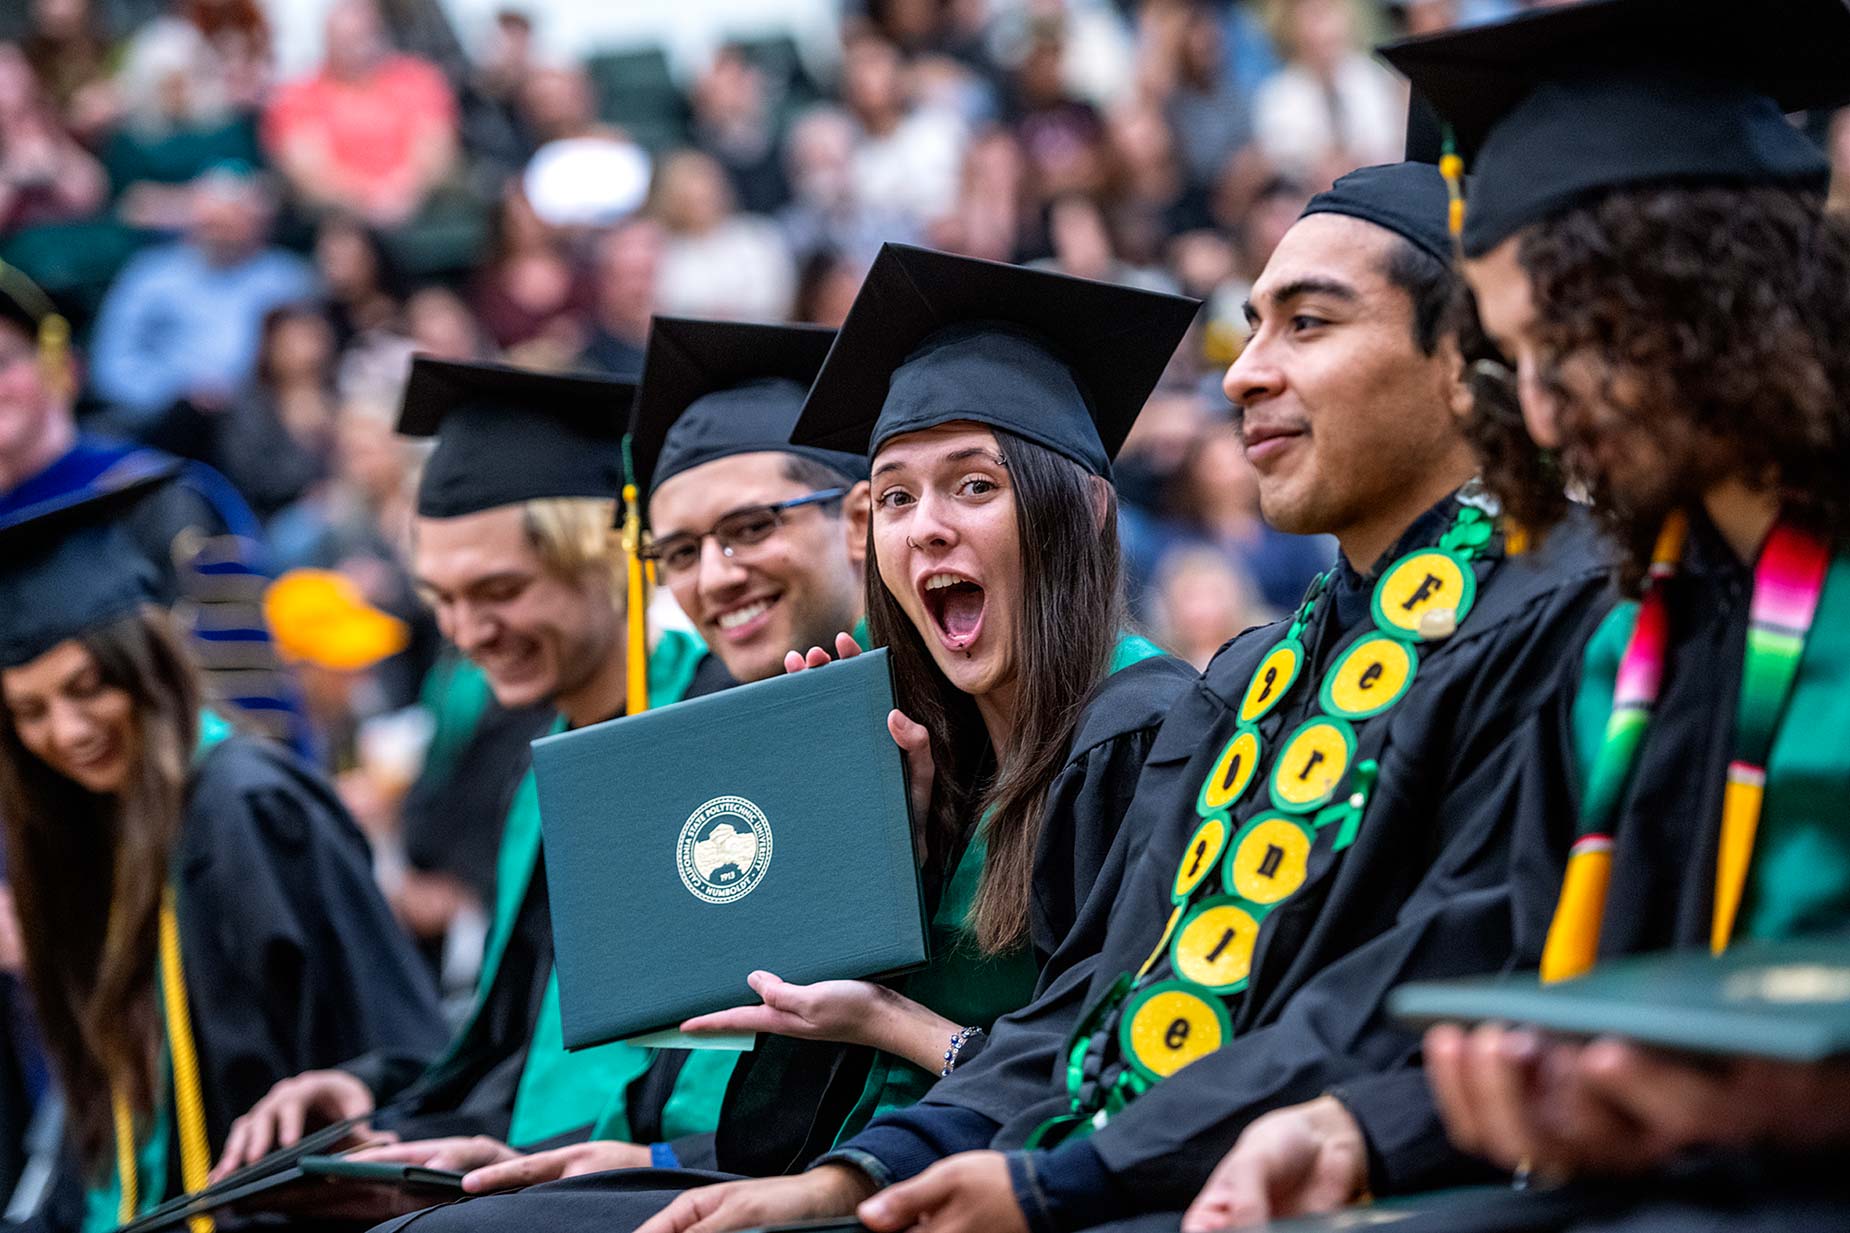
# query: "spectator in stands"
909,157
273,440
584,173
45,176
826,213
373,132
1202,599
1187,72
183,319
1062,134
715,261
625,268
68,45
733,122
1084,247
1331,109
179,118
361,284
826,288
529,296
993,217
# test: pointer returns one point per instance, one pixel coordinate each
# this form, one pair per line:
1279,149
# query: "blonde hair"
576,535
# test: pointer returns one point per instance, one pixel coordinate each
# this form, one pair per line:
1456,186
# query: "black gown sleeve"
293,960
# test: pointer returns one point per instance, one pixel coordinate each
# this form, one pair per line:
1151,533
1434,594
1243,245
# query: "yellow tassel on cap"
637,695
1573,937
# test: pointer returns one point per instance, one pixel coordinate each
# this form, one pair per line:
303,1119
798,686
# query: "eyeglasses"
741,530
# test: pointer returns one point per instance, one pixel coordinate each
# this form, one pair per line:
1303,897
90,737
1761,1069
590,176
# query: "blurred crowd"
250,259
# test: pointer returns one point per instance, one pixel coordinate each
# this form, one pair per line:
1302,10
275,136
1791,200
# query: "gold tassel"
189,1102
637,697
1573,936
1740,820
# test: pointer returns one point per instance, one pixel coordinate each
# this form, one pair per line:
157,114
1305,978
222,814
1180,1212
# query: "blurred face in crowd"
345,260
871,85
796,587
1344,417
355,39
821,153
692,195
535,634
557,102
1322,33
35,420
948,547
71,719
627,263
230,214
60,19
18,86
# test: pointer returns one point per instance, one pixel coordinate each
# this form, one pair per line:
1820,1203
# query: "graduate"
199,535
198,911
512,546
1366,792
989,401
787,527
1675,299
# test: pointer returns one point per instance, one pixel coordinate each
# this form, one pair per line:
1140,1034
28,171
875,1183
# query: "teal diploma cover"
1783,1000
763,827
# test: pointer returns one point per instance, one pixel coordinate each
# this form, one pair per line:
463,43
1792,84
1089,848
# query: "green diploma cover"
1783,1000
762,827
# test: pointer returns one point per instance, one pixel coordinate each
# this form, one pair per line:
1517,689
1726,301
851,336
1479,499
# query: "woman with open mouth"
197,911
989,399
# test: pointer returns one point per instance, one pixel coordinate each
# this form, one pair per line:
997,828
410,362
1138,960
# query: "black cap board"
1408,199
712,389
69,572
507,435
933,338
1555,107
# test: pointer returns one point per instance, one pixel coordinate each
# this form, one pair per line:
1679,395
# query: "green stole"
560,1091
1799,882
103,1198
961,983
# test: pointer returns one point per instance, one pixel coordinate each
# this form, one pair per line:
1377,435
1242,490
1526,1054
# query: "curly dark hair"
1714,316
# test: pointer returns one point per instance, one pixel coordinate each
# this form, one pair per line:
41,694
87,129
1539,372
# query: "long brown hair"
88,871
1072,611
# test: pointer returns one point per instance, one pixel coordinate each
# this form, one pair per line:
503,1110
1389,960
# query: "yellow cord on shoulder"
189,1103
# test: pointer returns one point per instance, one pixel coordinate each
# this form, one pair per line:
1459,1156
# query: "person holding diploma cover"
198,911
1024,709
514,548
1639,193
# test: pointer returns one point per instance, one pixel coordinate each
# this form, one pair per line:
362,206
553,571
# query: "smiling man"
513,548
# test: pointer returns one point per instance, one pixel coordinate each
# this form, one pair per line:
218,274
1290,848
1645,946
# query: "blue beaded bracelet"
958,1042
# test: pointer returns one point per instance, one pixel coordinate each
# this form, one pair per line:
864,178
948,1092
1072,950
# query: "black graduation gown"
1454,871
293,961
778,1118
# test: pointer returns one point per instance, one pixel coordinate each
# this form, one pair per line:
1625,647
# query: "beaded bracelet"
958,1041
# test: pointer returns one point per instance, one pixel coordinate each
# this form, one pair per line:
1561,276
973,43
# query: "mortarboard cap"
1555,107
711,389
68,572
507,435
932,338
1408,199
